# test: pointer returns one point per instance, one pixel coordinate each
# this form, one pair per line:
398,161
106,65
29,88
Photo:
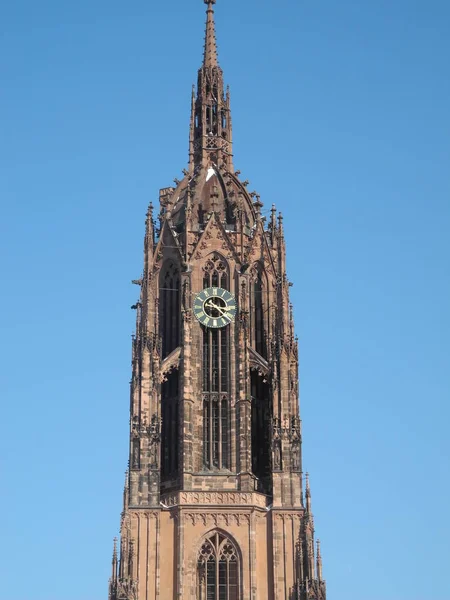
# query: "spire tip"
210,52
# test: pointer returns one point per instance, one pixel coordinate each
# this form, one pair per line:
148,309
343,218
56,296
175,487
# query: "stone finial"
308,495
114,562
319,562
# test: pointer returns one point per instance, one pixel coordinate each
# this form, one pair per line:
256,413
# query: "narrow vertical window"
169,312
261,419
169,330
258,312
225,429
170,421
216,375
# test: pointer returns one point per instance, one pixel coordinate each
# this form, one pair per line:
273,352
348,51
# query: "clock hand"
211,304
222,309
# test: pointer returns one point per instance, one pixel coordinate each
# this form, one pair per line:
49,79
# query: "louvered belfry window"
216,378
218,569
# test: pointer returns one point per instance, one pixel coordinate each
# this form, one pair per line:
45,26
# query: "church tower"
215,505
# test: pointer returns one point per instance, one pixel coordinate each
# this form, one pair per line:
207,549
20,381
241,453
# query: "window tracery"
216,377
218,569
215,272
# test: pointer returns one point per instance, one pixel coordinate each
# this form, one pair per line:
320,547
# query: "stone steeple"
210,52
213,494
210,131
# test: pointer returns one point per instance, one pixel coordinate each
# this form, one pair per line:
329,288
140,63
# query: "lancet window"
169,329
258,312
261,419
169,433
169,308
216,374
218,569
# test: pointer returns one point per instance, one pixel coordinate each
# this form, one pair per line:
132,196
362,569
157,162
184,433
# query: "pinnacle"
210,52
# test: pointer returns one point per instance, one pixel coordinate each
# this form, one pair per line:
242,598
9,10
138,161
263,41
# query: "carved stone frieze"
217,498
290,517
218,519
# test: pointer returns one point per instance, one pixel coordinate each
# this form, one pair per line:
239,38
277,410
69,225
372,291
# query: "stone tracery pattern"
218,569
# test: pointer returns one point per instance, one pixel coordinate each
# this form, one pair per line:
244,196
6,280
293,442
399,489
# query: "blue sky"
340,115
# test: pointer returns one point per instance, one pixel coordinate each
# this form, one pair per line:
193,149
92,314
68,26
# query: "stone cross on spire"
210,53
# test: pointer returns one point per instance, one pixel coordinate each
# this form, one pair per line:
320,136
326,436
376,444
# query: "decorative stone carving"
218,519
258,363
154,435
126,590
170,363
295,454
135,462
219,498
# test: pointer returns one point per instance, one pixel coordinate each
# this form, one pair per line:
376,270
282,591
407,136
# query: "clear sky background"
341,117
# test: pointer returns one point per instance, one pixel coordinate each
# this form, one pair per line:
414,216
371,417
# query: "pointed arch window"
215,273
258,312
216,375
169,308
169,330
218,569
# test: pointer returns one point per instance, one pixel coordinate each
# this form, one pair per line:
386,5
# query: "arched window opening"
215,273
257,313
169,309
218,569
261,419
169,433
216,376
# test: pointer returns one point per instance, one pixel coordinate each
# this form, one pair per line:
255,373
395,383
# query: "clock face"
215,307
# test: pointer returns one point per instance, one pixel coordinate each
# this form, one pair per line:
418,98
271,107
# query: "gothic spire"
210,139
210,52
